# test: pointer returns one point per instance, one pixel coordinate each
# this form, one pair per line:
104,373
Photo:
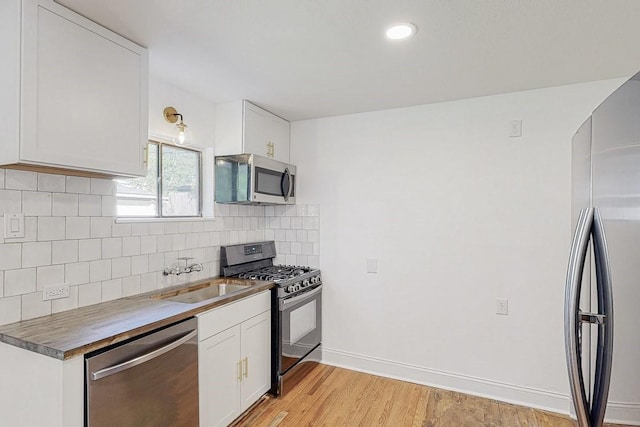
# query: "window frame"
159,179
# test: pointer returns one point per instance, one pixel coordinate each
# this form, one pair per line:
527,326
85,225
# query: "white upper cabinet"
242,127
83,93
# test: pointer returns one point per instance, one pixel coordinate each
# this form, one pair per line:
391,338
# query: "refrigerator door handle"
604,352
572,324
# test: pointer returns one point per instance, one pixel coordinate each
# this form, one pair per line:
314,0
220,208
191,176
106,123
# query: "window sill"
125,220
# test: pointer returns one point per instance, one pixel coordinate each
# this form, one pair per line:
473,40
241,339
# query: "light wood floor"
330,396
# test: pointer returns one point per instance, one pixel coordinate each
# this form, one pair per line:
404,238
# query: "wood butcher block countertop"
77,332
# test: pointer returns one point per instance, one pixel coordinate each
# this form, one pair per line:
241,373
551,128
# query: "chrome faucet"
187,268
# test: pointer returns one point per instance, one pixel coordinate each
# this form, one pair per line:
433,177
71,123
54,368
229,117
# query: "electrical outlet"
515,128
55,292
502,306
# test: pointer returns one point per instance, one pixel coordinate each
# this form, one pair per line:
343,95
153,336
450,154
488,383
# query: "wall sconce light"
183,134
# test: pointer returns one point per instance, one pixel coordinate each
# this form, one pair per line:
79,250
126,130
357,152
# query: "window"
170,189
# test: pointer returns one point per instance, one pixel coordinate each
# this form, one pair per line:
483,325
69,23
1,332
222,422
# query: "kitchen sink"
200,293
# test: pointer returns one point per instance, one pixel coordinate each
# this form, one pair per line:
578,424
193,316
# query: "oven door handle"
284,303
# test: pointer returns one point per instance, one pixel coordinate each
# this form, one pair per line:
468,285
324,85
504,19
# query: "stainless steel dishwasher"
148,381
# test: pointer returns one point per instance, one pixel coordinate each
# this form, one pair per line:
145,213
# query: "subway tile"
64,251
316,248
291,210
1,286
313,236
51,228
111,289
64,304
269,234
35,254
20,180
102,187
302,235
19,282
109,206
130,286
121,230
259,235
281,235
112,247
49,275
296,222
178,242
30,229
296,248
156,262
198,227
302,260
220,210
224,238
227,223
51,182
269,211
165,243
78,185
191,240
185,227
10,201
10,309
90,249
33,306
148,282
89,294
314,261
210,225
89,205
313,210
78,227
139,264
214,238
139,229
148,244
204,239
131,246
237,222
291,235
77,273
10,256
120,267
1,178
302,210
307,223
285,222
101,226
100,270
35,203
233,210
234,238
65,204
156,228
284,247
307,248
243,236
280,210
171,228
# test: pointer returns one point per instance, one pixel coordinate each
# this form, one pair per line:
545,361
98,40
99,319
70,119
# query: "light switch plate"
13,225
372,265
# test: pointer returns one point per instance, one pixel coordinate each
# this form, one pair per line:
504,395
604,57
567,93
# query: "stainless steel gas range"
296,308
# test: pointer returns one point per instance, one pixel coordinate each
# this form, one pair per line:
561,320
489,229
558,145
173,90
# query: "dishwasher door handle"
102,373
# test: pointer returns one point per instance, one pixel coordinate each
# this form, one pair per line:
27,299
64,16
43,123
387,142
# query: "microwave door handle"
286,178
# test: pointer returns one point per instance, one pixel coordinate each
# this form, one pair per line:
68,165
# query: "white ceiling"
305,59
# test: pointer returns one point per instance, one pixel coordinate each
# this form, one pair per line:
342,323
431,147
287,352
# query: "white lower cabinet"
234,355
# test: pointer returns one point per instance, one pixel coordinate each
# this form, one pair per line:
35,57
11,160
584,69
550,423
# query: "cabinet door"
219,376
84,93
265,134
256,358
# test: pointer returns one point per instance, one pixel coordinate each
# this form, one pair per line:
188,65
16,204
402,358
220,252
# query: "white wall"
457,214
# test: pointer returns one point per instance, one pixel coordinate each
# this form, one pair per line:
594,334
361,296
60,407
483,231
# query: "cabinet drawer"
219,319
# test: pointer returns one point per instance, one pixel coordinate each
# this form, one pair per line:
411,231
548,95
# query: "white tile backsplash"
65,204
35,254
71,237
79,185
20,180
10,201
89,205
36,204
19,282
50,182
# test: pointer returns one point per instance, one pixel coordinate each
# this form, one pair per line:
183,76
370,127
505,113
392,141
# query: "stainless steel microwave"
253,179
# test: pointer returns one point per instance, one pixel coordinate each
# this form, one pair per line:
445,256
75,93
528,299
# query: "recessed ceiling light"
401,31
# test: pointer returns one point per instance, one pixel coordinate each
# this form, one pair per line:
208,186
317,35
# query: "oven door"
300,326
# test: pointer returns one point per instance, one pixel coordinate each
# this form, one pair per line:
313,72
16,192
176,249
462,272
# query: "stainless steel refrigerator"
602,293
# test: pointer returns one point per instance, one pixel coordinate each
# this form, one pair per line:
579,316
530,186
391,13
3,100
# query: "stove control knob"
314,280
291,289
305,283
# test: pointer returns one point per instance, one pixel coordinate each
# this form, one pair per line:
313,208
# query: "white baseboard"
527,396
